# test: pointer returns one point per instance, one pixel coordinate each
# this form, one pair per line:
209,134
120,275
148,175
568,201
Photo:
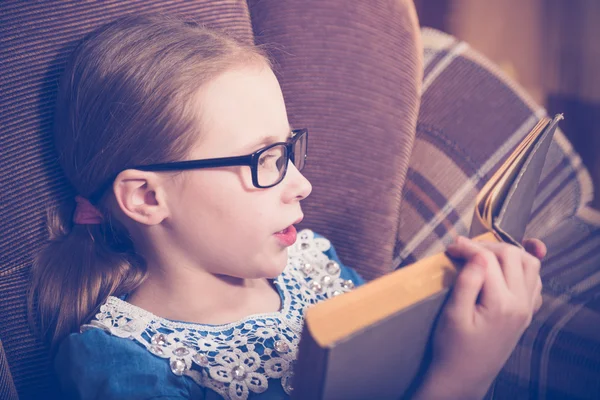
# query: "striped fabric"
7,387
471,117
35,39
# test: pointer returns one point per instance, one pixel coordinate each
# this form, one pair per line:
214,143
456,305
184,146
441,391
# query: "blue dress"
126,352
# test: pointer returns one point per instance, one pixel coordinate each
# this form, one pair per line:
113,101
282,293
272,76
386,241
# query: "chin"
273,269
268,265
274,272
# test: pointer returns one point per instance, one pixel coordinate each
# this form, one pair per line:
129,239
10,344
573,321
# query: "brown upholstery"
350,72
35,41
7,387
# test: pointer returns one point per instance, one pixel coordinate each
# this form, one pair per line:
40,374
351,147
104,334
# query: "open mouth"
287,237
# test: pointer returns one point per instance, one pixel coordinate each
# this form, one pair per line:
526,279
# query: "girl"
177,271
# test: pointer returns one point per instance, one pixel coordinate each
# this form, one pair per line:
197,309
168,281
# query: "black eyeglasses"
268,165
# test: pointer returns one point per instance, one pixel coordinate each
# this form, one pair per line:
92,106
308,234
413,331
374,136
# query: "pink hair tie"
86,213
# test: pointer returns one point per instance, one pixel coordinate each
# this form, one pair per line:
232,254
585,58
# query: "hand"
492,303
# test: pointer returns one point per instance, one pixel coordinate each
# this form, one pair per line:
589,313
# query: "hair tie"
86,213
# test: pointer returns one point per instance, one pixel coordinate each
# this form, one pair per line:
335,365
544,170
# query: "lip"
293,223
287,237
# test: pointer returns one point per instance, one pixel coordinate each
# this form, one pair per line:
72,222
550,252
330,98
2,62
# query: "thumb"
467,287
535,247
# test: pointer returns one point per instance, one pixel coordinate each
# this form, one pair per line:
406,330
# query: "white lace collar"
241,357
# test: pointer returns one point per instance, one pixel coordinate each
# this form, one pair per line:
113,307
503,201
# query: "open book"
372,343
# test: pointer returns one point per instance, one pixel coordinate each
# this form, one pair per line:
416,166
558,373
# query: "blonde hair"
124,99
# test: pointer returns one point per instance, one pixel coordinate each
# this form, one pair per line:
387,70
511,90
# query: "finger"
467,287
494,286
537,300
511,262
521,269
531,268
535,247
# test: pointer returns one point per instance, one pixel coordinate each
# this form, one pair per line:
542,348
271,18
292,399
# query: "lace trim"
241,357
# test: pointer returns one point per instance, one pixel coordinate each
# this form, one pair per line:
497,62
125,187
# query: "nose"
297,187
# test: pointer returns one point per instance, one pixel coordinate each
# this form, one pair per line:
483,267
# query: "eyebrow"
266,140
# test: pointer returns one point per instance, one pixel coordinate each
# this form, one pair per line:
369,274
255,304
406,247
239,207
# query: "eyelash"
263,159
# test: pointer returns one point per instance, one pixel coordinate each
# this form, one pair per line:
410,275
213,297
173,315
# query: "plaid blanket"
468,104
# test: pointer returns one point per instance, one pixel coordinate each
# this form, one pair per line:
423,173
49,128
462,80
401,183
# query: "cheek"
231,226
216,201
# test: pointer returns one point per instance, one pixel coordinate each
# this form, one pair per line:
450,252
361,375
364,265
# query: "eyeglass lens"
272,164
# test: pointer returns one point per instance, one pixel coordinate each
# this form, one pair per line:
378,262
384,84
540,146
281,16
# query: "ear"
141,196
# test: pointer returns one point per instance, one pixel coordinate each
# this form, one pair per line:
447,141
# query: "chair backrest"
35,40
350,72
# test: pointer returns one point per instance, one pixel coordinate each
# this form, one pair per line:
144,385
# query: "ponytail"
77,270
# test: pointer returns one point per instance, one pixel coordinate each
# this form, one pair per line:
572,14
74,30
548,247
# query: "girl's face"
217,217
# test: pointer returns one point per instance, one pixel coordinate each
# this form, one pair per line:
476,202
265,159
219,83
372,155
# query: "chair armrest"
471,118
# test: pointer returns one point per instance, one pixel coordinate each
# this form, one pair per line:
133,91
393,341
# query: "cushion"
350,73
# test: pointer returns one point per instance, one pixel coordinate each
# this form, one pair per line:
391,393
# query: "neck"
185,292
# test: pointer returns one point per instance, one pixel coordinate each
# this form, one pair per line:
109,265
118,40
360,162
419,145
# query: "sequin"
336,293
332,268
178,367
286,382
181,351
316,286
327,280
201,359
238,372
159,339
157,350
348,284
307,268
281,346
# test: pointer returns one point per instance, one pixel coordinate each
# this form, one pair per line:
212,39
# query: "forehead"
238,108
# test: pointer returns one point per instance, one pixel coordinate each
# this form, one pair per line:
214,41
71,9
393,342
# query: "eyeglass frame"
249,159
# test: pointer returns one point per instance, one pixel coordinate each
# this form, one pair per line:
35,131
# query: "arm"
440,386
